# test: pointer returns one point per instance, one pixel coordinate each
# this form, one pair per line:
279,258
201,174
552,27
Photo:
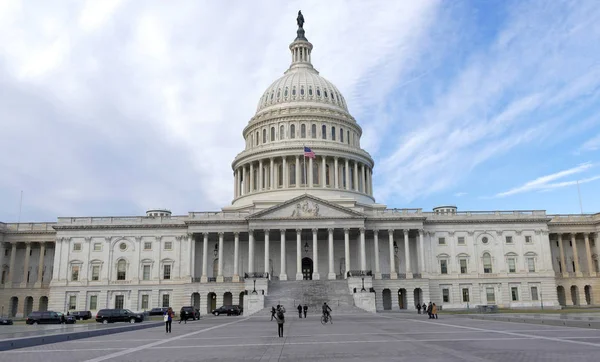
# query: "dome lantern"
300,47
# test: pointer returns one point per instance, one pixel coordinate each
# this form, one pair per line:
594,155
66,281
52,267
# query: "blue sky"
113,107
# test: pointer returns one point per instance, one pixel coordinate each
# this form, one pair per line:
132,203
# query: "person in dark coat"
280,317
429,308
299,311
305,310
418,308
183,316
273,311
424,308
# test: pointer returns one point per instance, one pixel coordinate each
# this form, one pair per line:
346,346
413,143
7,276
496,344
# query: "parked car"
48,317
68,319
192,313
5,321
82,315
228,309
118,315
157,311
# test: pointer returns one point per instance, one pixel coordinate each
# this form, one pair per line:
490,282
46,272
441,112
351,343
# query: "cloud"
545,183
460,194
592,144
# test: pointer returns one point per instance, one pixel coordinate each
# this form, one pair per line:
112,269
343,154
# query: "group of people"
278,313
431,310
302,309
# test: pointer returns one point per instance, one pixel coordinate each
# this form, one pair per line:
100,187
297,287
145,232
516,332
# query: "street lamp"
216,251
363,285
395,248
306,247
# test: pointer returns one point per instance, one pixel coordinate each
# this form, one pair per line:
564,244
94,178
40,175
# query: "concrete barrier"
14,343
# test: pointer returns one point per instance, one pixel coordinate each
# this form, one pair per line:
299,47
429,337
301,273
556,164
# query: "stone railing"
417,276
212,280
125,220
29,227
256,275
217,215
196,280
227,279
385,276
120,282
359,273
401,275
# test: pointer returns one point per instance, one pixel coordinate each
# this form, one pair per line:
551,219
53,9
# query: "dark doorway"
387,299
588,294
43,304
196,300
211,302
562,298
402,298
307,268
227,298
28,306
242,300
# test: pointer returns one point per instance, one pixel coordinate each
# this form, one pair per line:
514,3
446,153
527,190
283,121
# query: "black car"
228,309
82,315
118,315
5,321
191,312
48,317
69,319
157,311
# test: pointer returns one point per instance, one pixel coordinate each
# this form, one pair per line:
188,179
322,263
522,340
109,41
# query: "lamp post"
216,251
395,248
254,289
363,285
306,247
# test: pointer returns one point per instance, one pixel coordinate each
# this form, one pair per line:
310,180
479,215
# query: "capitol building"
302,229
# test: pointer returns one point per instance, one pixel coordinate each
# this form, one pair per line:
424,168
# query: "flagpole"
305,175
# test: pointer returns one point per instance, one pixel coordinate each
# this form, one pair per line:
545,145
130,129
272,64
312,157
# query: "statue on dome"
300,19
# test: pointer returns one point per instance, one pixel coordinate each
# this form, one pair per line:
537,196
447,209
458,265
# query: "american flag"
308,153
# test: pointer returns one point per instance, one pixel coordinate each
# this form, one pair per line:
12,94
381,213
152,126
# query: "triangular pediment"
307,207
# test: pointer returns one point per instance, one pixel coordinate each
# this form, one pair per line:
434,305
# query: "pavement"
351,337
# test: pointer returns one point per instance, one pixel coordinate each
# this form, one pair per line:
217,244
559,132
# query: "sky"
109,108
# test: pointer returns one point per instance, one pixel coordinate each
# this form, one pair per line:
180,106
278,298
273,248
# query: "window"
310,93
302,90
148,245
596,266
324,132
165,300
77,247
461,240
303,131
123,246
75,273
272,134
325,92
534,293
119,301
293,131
292,174
444,266
333,133
342,135
489,292
95,272
313,131
318,92
93,302
121,269
327,181
145,301
166,272
465,295
281,133
348,137
446,295
294,91
512,268
264,140
509,240
514,294
531,265
97,246
257,138
487,263
146,272
168,245
72,302
528,239
463,266
442,241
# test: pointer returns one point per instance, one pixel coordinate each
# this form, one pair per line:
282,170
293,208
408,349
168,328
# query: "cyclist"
326,310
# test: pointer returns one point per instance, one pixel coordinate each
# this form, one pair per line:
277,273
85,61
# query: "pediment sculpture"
306,209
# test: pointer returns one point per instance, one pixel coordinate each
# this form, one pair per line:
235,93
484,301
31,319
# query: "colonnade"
572,238
7,276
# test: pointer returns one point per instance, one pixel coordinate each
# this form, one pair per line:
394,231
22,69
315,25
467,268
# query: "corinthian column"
40,276
220,261
393,274
204,277
336,183
363,254
260,176
298,254
407,255
26,267
298,175
267,251
284,169
376,252
323,171
251,251
347,251
272,174
347,173
236,256
315,255
575,256
421,253
283,272
331,274
562,256
588,253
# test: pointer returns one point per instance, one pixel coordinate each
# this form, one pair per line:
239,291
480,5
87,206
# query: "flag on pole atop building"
308,153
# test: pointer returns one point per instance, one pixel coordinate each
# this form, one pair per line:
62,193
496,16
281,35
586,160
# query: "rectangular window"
534,293
509,240
146,272
96,272
166,272
168,245
75,273
463,266
446,295
461,240
531,265
528,239
145,301
76,246
596,266
512,267
165,300
72,302
93,302
97,246
444,266
465,295
148,245
489,292
442,241
119,301
514,293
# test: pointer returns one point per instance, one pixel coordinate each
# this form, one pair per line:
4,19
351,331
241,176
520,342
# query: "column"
407,255
309,174
323,171
588,253
285,172
220,261
40,276
251,178
11,267
347,251
298,178
272,175
315,255
204,277
234,184
347,173
261,175
393,274
283,273
267,251
362,179
355,176
363,254
421,253
244,180
331,274
376,252
192,241
575,255
562,258
236,257
336,183
26,265
251,251
298,254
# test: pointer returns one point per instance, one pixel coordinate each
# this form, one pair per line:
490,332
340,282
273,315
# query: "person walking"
434,311
429,307
280,317
418,308
273,311
305,310
424,308
299,311
183,316
168,318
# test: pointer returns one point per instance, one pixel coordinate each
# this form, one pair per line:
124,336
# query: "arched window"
280,175
293,131
281,133
487,263
285,93
303,131
292,172
302,90
313,131
278,93
325,93
342,135
272,134
315,173
272,94
318,92
327,182
333,133
264,136
310,91
294,91
348,137
121,270
257,138
324,132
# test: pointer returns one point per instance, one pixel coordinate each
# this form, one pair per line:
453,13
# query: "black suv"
191,312
158,311
228,309
118,315
82,315
48,317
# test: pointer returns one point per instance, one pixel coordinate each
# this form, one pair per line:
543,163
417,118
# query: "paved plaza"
352,337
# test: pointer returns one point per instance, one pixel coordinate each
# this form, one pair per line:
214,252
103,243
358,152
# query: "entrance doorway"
307,268
211,302
562,298
402,298
588,294
387,299
196,300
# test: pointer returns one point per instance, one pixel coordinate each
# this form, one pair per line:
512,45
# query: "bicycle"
326,318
